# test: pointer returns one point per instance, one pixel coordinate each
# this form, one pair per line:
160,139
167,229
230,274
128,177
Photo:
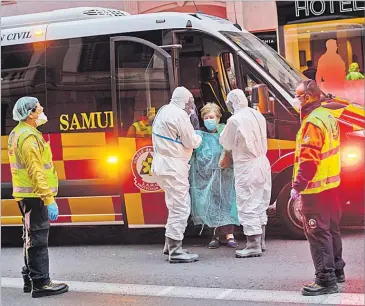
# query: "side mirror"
262,101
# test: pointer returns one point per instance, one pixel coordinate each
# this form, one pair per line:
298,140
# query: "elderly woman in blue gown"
213,199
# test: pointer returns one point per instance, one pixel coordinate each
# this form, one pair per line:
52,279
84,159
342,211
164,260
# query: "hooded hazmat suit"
174,139
245,134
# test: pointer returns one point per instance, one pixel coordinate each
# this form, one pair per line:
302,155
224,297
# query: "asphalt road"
96,270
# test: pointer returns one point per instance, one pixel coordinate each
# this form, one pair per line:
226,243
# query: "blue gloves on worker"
294,194
52,211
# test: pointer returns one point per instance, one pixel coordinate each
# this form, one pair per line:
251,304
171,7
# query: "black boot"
340,276
48,289
27,287
315,289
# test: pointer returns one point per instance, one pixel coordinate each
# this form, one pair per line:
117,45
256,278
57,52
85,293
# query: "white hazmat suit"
245,134
174,139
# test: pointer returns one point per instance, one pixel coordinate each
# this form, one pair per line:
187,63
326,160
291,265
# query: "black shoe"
315,289
340,276
214,244
27,286
49,289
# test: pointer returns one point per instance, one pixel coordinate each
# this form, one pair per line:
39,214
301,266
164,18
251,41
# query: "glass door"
142,82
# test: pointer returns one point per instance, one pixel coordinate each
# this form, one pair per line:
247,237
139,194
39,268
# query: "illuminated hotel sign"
306,11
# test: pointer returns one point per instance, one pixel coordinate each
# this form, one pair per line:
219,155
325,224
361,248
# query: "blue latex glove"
294,194
52,211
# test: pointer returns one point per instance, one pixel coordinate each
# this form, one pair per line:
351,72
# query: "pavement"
136,273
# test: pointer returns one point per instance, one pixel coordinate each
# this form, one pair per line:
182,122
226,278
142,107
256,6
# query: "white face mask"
42,119
297,104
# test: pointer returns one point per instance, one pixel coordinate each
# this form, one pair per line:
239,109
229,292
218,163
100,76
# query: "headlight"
351,156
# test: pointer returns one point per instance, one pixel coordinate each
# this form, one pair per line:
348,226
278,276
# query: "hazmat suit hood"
182,98
236,100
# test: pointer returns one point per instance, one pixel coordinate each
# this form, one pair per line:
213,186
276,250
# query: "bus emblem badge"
142,170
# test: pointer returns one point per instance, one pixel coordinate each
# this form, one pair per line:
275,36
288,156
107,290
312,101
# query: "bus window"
228,64
78,85
283,122
22,73
142,85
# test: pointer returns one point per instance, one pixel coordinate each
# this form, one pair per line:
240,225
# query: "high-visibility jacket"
22,182
328,171
142,129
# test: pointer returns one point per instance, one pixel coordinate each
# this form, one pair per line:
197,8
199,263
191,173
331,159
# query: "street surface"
136,273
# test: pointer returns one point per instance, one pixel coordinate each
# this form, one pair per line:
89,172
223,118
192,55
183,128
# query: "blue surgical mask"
210,124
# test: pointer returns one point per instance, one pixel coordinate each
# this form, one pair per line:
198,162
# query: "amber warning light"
112,160
38,33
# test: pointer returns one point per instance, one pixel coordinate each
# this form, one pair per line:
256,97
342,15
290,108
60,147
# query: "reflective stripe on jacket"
328,171
22,182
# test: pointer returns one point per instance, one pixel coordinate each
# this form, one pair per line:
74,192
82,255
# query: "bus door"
142,82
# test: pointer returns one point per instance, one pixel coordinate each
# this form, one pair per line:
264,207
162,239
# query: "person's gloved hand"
52,211
294,194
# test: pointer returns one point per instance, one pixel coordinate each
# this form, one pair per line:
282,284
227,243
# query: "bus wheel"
289,215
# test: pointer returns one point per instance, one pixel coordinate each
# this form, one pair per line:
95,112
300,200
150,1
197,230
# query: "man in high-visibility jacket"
35,184
315,182
143,127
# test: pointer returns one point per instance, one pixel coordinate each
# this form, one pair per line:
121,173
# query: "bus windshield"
270,60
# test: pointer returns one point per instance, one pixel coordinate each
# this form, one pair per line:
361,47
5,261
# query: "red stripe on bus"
63,206
117,204
56,146
5,173
154,208
84,169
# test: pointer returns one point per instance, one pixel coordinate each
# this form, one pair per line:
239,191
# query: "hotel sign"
305,11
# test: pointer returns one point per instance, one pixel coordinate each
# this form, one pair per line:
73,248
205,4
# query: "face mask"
297,104
189,107
42,119
210,124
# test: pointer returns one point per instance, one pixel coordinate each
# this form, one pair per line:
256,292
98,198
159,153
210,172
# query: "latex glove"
194,119
52,211
294,194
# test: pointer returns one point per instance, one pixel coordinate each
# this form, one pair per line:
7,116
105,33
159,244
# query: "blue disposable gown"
213,197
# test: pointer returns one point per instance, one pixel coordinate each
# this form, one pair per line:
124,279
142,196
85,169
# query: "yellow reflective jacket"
32,169
142,129
328,171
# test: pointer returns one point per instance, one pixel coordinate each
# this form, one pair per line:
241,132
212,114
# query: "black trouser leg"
36,230
25,269
336,214
316,210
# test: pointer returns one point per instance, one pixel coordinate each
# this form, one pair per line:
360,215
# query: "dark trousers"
223,230
35,236
321,217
